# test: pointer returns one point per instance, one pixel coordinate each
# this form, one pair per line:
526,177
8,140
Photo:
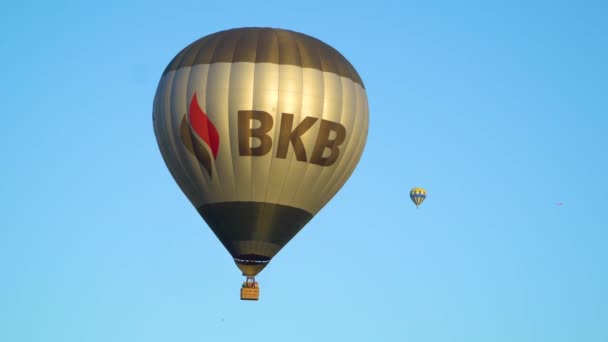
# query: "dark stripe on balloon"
251,259
265,45
264,227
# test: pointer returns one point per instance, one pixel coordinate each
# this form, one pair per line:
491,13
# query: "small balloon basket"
250,289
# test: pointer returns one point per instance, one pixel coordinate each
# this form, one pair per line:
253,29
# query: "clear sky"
498,109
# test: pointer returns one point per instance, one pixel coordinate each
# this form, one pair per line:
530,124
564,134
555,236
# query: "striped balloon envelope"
260,128
417,195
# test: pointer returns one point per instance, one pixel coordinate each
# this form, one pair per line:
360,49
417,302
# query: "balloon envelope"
417,195
260,128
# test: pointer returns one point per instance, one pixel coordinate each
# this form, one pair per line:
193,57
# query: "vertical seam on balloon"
276,123
360,143
265,207
177,171
290,161
253,106
179,157
176,134
334,170
307,166
230,130
348,162
193,158
269,174
238,183
221,181
162,136
336,177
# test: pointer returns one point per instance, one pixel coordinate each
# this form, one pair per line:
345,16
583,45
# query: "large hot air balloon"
417,195
260,128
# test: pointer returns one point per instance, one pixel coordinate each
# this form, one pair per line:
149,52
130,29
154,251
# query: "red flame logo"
202,126
198,124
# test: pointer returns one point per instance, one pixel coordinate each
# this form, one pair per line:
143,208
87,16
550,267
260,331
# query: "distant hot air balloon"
417,195
260,128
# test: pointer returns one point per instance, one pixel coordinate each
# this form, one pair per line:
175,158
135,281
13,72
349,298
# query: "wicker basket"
250,293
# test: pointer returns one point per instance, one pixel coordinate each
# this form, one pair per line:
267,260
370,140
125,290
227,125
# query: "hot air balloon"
260,128
417,196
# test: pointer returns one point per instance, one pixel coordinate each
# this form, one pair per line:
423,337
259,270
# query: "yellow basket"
250,293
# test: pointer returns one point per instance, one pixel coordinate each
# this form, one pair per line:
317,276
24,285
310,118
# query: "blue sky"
498,109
